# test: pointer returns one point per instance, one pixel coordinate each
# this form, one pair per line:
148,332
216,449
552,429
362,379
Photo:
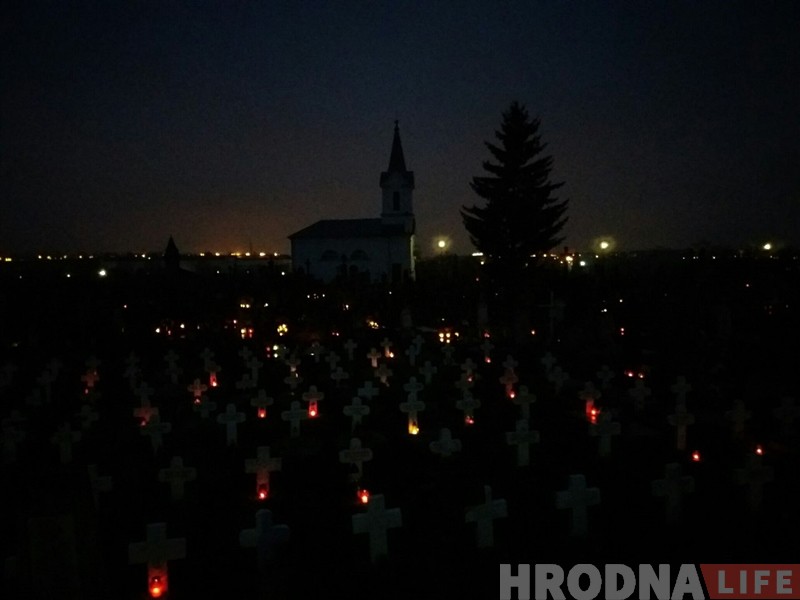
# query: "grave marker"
265,538
445,446
356,411
681,419
294,415
156,551
376,522
262,466
605,428
754,475
483,515
578,498
156,430
177,475
522,437
65,438
355,455
673,487
231,419
428,371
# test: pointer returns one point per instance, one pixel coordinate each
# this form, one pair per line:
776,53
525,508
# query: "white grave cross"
177,475
156,551
262,466
376,522
445,446
356,411
673,487
294,415
355,455
522,437
483,515
231,419
578,498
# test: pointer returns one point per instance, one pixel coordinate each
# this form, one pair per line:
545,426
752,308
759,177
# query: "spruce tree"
521,217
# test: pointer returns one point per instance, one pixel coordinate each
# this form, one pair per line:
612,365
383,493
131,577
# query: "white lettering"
688,582
574,584
613,572
721,588
783,582
521,581
548,578
648,582
762,579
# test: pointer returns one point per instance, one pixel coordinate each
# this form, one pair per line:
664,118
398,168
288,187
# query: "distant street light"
767,246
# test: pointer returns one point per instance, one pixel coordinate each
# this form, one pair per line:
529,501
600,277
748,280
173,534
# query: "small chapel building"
378,249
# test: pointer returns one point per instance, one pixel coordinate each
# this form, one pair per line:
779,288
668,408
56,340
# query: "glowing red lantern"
157,586
312,409
212,379
696,456
469,420
262,413
263,492
759,450
363,496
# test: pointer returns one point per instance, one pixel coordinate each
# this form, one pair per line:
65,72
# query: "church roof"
349,228
397,162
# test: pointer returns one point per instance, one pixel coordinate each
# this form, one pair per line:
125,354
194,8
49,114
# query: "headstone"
428,371
522,437
246,382
373,355
262,466
509,364
293,363
411,353
383,372
483,515
639,393
558,377
87,416
787,412
413,387
673,487
197,388
549,361
356,455
376,522
176,475
340,375
204,406
508,380
445,446
156,551
604,429
387,348
294,415
156,430
754,475
448,351
368,391
144,412
412,407
418,341
681,389
681,419
578,498
98,484
265,538
468,367
468,405
523,398
356,411
293,380
231,419
605,375
349,347
260,403
738,416
486,348
65,438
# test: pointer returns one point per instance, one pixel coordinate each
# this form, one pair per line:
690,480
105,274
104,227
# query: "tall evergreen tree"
521,217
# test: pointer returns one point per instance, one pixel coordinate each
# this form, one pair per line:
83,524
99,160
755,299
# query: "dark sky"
233,123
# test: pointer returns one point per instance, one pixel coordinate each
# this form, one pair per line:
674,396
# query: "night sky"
233,124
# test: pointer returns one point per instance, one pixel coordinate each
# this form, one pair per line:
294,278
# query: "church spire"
397,163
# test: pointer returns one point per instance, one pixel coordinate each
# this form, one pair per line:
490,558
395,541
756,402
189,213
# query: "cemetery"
328,442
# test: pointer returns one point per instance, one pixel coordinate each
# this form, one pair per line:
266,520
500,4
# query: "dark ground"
729,326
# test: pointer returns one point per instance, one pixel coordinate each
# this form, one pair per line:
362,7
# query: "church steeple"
397,161
397,183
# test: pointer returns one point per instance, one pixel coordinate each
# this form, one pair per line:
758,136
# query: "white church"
379,249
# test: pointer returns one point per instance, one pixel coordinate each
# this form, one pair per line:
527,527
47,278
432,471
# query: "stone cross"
508,380
293,363
464,384
294,415
340,375
356,411
524,399
428,371
412,352
681,388
549,361
231,419
522,437
246,382
197,388
387,345
681,419
333,360
383,373
368,391
356,455
293,380
483,515
639,393
605,428
144,412
87,416
373,355
509,364
468,405
204,406
156,430
605,375
578,498
738,416
98,484
65,438
754,475
260,403
376,522
673,487
468,367
558,377
487,348
418,341
265,538
412,407
445,446
787,412
156,551
448,352
413,387
262,466
177,475
349,347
